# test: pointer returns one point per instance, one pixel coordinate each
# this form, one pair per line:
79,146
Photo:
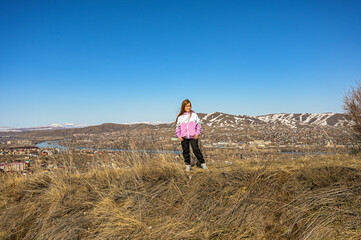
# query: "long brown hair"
183,109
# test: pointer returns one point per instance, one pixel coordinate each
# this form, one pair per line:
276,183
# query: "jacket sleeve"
198,126
178,128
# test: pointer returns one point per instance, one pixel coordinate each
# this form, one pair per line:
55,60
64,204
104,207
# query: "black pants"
196,150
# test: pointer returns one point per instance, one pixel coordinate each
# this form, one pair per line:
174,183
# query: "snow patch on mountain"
53,126
7,129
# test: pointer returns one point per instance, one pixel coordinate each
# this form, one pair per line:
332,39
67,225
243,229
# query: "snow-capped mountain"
321,119
218,119
53,126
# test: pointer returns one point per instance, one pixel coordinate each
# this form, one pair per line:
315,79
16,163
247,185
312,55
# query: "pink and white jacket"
188,126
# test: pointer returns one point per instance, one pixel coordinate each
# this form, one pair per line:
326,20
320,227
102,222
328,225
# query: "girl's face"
188,107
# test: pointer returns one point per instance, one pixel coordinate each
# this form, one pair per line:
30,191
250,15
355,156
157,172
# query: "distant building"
257,143
12,166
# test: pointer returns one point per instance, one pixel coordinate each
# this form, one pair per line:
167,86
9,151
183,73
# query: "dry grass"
153,198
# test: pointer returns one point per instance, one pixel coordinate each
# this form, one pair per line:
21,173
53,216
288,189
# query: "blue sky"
91,62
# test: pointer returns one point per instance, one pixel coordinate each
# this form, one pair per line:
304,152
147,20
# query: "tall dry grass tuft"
138,196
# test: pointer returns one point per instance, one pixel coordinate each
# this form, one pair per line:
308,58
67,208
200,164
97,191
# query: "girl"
188,130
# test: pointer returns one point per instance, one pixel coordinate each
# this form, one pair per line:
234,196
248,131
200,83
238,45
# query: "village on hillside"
20,155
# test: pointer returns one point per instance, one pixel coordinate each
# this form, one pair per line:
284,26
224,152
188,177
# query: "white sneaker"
204,166
188,168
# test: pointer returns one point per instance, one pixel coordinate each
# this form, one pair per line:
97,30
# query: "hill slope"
155,199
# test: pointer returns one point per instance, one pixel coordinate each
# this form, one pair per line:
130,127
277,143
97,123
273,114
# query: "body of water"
54,144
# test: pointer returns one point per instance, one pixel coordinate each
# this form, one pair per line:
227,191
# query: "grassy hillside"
153,198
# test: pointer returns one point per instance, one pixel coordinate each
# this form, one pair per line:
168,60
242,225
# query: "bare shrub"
352,107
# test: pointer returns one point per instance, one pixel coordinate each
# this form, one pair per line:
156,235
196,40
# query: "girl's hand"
180,139
196,136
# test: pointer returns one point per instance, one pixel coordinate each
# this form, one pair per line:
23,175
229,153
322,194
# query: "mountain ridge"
216,119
